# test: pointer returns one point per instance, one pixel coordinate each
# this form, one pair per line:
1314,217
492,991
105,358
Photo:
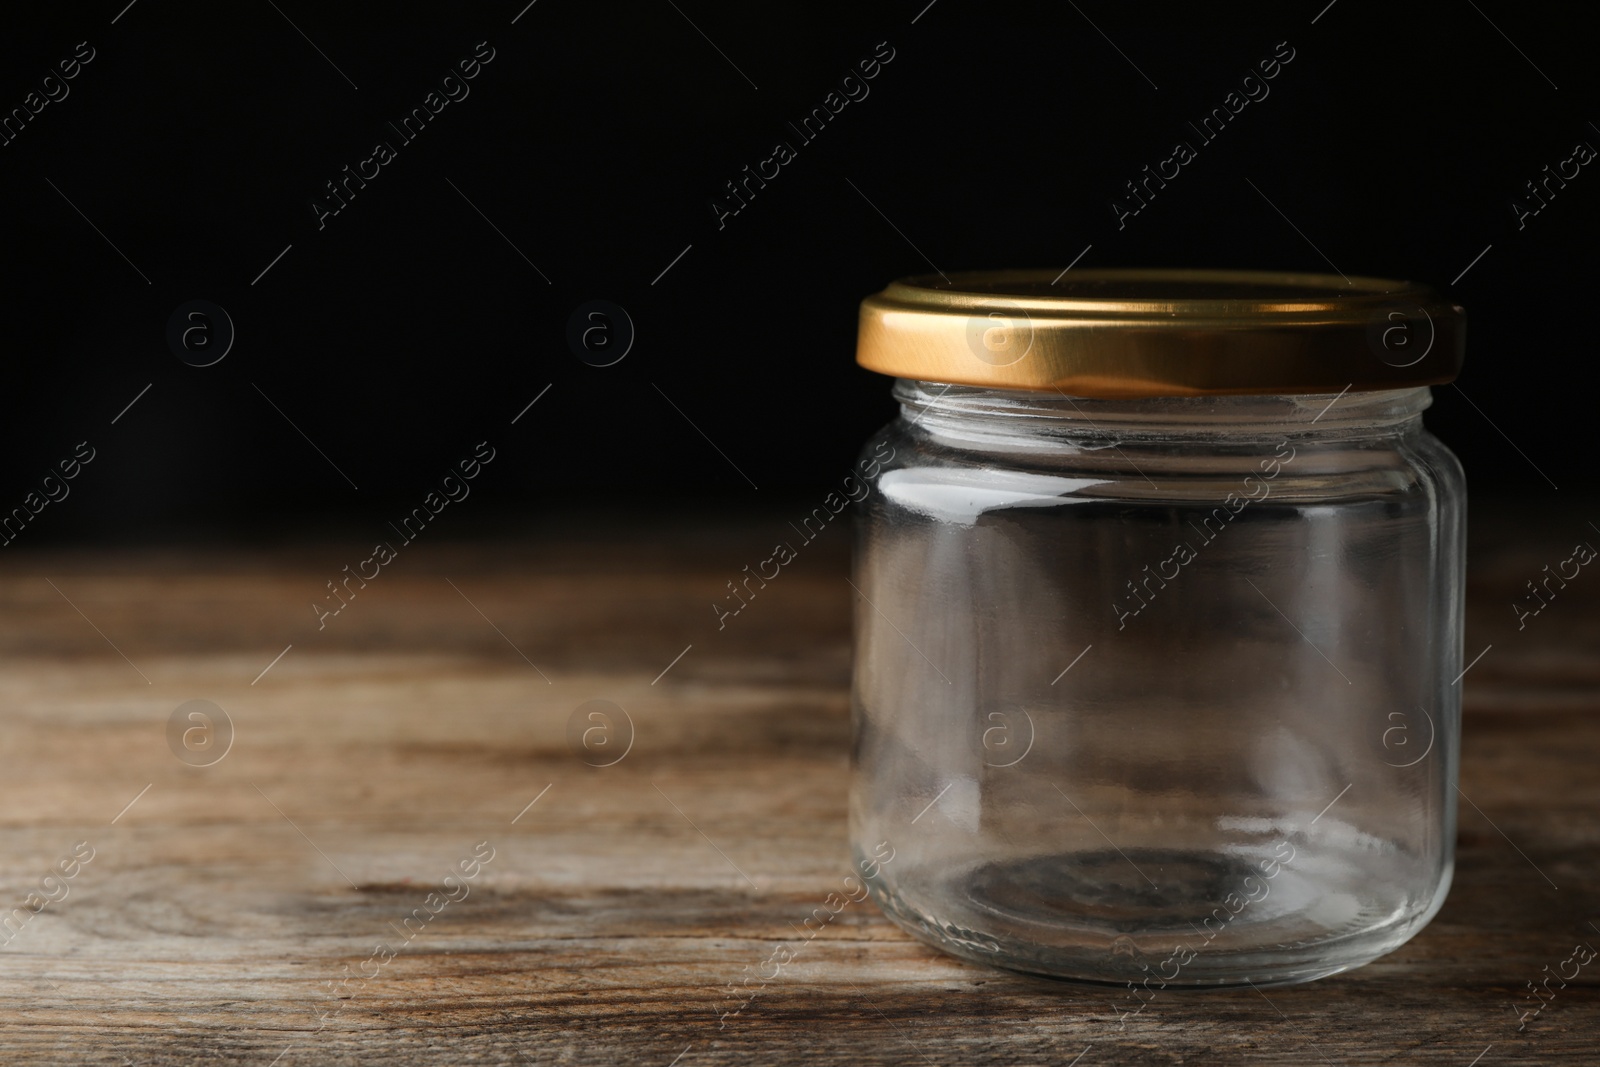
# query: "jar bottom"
1155,917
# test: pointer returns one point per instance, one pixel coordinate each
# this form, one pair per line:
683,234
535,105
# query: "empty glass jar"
1158,639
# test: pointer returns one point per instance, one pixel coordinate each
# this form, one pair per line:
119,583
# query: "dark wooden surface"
221,910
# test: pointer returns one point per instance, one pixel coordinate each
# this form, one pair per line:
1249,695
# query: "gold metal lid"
1132,333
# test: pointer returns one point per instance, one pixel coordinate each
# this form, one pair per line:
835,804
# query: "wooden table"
230,913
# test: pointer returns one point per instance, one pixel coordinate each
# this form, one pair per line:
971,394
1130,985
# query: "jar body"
1159,692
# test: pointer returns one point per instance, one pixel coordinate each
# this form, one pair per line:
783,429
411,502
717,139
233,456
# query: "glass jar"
1159,626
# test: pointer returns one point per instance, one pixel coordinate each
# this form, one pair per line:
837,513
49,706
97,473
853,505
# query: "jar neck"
973,414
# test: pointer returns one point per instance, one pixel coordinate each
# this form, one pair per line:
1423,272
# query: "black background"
408,329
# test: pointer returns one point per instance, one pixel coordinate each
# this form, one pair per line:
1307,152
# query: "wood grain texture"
220,910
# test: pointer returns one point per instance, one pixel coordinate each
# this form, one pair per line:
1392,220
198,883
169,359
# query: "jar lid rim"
1162,332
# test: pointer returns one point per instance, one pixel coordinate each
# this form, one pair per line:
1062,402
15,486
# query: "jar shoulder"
904,462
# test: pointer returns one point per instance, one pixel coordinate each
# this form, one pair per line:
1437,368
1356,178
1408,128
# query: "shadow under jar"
1159,623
